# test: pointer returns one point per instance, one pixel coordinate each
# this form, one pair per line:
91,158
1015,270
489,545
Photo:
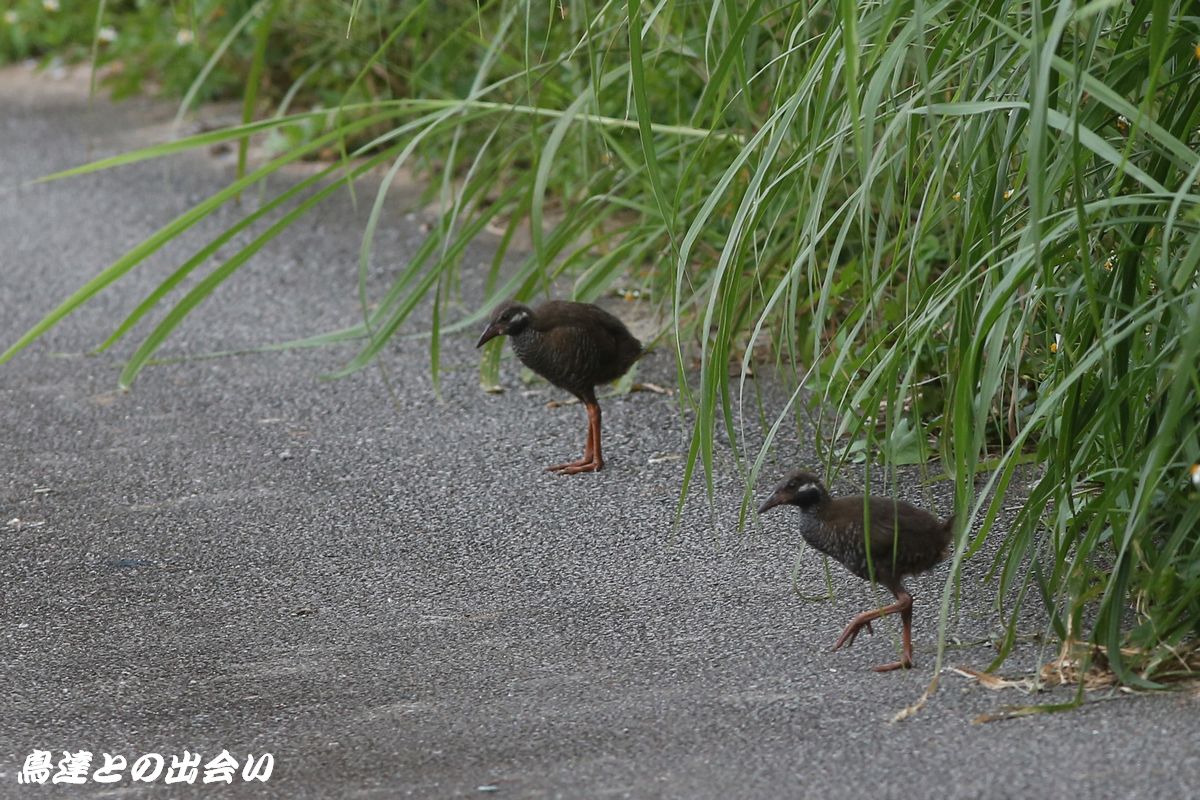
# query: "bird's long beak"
772,501
492,332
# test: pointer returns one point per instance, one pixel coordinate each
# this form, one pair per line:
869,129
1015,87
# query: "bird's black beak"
772,501
493,330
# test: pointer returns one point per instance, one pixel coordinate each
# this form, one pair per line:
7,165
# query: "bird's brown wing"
564,313
925,537
592,334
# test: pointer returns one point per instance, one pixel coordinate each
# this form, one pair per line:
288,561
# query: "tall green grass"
970,229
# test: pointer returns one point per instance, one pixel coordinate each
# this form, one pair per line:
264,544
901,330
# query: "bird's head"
801,488
509,319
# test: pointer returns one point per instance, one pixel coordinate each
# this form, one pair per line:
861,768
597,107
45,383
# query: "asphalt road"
386,593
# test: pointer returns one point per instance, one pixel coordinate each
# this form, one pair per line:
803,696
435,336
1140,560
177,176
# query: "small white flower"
184,36
1057,343
10,17
1195,471
50,5
107,34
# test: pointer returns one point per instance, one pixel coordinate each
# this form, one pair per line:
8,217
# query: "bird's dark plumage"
575,346
876,537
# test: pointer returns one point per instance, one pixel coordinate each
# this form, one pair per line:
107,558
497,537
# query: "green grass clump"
970,229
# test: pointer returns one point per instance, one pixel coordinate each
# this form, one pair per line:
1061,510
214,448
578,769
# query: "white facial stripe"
804,487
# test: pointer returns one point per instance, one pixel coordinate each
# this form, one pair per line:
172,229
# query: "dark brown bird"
904,540
575,346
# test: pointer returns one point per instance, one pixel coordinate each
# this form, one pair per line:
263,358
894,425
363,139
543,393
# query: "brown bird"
575,346
904,540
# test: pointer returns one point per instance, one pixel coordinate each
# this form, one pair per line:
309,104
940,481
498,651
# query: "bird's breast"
843,543
562,360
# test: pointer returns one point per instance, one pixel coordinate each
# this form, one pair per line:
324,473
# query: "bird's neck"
525,341
817,530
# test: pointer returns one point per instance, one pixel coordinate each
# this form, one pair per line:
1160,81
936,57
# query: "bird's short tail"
948,532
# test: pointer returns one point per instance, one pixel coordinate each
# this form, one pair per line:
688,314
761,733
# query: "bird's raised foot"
851,633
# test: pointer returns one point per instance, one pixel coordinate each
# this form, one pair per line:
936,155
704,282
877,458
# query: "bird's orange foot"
851,633
895,665
575,467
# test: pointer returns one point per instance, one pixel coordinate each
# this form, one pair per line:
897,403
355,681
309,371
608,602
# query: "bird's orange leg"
906,657
592,460
594,429
903,607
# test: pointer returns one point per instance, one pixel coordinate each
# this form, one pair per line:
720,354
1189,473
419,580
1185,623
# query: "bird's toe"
575,469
